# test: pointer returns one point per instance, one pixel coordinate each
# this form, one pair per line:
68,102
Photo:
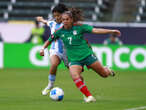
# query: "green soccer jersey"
76,47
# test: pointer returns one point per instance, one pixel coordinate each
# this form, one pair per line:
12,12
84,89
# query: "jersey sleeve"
53,37
87,28
48,23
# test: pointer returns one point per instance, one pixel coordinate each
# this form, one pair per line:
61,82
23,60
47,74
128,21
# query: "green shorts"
87,61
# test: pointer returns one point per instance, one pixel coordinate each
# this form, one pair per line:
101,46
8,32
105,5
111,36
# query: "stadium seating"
29,9
141,15
3,8
91,12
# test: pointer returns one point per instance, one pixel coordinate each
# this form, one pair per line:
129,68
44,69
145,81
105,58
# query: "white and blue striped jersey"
57,47
58,44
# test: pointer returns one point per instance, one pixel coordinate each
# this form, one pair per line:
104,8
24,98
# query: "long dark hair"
60,8
75,14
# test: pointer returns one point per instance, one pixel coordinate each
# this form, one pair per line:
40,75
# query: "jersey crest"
74,32
62,35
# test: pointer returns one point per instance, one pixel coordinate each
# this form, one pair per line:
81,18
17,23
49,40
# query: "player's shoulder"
80,25
77,24
51,23
59,29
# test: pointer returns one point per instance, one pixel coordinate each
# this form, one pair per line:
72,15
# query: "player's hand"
116,32
40,19
42,52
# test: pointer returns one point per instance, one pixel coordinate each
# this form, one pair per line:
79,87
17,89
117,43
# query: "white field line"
137,108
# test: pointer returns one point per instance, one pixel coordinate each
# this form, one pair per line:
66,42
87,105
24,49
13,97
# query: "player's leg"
55,61
75,72
92,62
101,70
55,53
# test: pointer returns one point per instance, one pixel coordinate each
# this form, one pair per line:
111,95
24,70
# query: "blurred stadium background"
23,73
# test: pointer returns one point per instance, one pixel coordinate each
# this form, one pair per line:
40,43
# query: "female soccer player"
57,52
78,51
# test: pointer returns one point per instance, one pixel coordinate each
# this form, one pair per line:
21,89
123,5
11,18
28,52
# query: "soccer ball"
56,94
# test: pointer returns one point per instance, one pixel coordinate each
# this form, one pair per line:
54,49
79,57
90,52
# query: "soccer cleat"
46,91
89,99
112,73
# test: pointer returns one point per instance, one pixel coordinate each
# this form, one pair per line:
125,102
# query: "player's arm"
105,31
41,19
47,43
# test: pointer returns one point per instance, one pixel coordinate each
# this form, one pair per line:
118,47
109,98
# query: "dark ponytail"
75,14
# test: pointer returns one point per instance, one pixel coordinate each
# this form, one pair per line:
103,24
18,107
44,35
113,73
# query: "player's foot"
112,73
89,99
46,90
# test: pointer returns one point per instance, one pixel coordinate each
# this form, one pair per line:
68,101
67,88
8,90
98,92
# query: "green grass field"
20,89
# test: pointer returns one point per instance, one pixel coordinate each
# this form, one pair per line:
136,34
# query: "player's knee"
75,76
